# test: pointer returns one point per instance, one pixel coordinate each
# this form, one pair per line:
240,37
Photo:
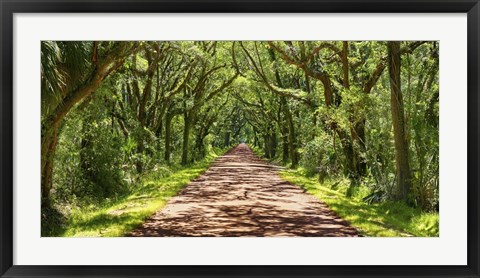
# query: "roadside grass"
386,219
152,194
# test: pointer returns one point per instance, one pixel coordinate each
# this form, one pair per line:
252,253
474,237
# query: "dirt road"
242,195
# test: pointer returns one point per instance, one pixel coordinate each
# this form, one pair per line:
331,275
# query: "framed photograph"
239,138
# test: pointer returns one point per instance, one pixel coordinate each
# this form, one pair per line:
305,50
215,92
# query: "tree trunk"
226,141
273,144
199,146
288,116
142,115
159,130
168,127
269,144
283,127
291,137
361,164
404,182
49,146
348,152
266,143
285,144
186,134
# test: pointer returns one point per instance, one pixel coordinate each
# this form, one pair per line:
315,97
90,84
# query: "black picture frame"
7,141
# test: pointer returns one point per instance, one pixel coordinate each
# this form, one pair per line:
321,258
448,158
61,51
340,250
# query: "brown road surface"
242,195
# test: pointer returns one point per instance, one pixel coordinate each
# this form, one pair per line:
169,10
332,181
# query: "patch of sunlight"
388,219
119,218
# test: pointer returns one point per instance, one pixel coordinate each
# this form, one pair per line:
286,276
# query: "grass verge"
386,219
125,215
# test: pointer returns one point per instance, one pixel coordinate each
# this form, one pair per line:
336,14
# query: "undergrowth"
384,219
115,218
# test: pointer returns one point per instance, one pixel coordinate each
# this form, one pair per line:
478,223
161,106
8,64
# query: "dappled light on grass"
387,219
130,212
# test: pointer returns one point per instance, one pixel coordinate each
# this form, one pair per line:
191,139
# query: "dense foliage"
363,112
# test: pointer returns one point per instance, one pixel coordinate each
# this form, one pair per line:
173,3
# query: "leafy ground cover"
116,219
385,219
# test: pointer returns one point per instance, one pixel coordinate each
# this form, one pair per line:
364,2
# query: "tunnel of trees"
366,111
